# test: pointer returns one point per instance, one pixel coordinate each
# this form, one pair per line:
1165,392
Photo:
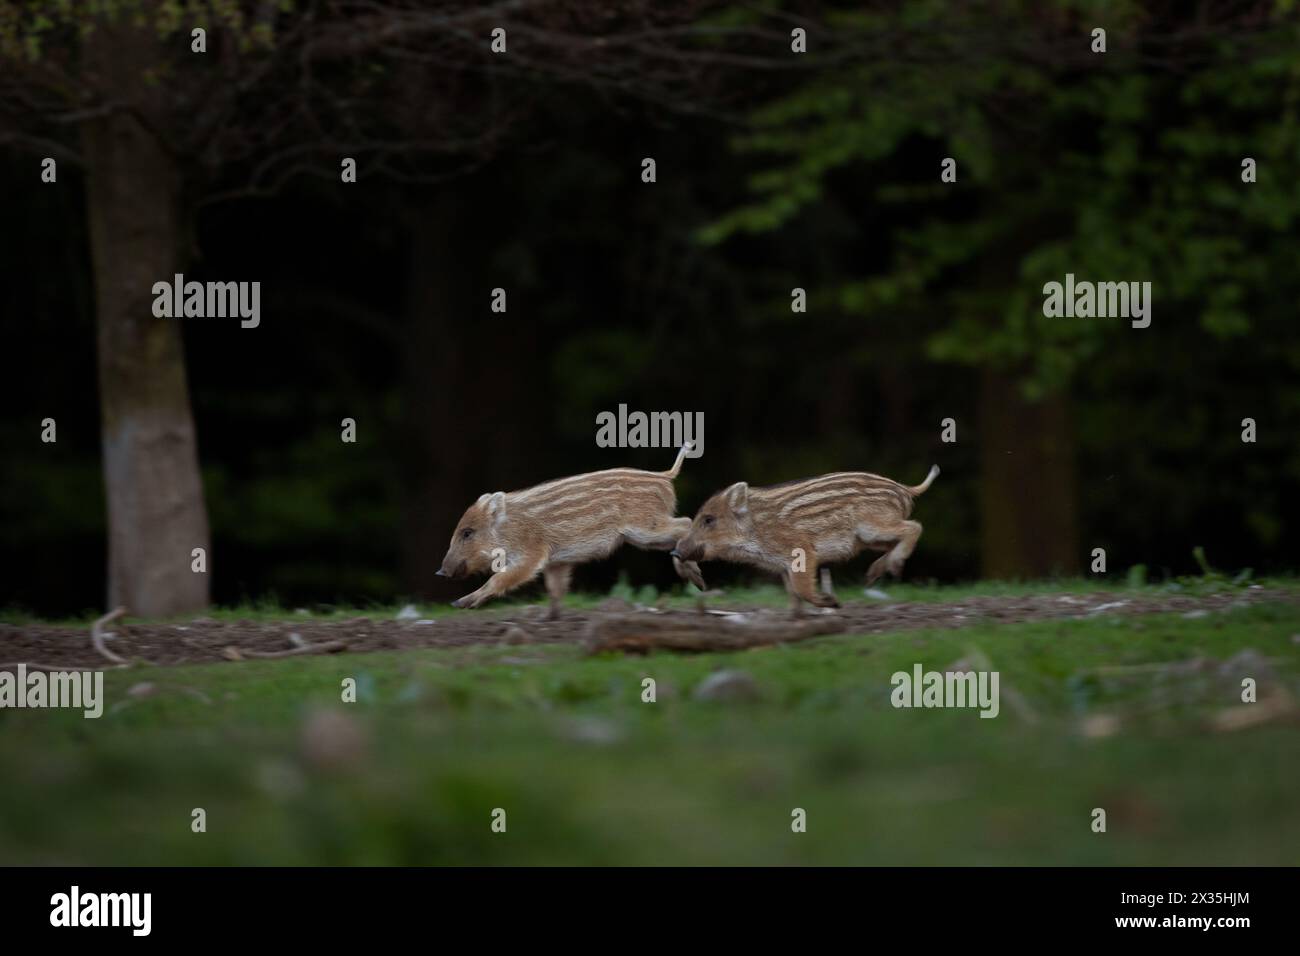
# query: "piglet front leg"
689,571
512,577
802,587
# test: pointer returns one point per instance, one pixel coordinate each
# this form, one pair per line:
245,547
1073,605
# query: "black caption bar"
135,906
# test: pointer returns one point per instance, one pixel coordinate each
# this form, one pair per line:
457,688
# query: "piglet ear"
738,497
496,505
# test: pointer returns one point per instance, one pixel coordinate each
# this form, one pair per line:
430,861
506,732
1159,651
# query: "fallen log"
641,634
327,647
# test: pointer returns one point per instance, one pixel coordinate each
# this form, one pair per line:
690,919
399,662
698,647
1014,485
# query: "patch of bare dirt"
613,624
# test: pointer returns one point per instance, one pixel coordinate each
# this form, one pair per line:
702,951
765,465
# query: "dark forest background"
924,298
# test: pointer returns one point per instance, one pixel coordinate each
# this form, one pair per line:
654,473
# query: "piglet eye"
708,520
467,533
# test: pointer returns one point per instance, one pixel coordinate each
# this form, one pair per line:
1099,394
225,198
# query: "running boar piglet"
790,529
550,528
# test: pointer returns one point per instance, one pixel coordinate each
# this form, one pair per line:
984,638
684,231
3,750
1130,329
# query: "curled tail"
929,479
677,465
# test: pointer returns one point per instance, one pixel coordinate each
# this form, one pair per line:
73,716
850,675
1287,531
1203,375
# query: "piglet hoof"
461,602
876,571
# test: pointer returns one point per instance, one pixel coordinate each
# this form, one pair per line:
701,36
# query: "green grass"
588,773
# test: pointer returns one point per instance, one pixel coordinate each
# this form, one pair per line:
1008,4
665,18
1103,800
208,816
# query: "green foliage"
1116,172
30,30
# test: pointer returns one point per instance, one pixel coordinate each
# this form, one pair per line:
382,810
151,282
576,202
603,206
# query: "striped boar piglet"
550,528
792,528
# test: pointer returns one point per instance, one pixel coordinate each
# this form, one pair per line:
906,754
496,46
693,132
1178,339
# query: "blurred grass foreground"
1139,716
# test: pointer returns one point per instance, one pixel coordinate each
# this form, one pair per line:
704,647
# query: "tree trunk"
475,420
156,513
440,402
1029,505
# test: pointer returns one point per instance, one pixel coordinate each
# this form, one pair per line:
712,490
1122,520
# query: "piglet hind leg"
907,539
898,543
557,577
877,539
878,566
